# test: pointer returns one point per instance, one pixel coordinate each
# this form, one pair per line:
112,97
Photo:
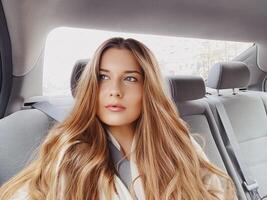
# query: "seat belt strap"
56,112
250,185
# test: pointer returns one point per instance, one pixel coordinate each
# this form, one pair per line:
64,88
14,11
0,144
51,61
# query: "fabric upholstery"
21,134
76,73
185,88
248,118
224,75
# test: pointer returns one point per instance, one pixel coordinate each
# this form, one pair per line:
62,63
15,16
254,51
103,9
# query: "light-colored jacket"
210,180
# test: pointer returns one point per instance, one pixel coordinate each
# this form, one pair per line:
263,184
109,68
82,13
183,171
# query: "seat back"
21,133
246,112
188,93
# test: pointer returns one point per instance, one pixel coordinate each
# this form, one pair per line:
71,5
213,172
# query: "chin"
112,123
117,122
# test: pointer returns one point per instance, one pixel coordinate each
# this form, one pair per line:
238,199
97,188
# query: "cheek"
100,100
134,98
102,94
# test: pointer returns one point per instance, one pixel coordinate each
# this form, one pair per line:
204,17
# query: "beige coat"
123,192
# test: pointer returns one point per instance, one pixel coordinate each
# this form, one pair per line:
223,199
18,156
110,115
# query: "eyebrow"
127,71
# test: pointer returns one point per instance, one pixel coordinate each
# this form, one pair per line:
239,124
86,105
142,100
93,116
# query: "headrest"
186,88
226,75
76,73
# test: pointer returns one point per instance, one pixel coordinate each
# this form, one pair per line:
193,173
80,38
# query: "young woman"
121,109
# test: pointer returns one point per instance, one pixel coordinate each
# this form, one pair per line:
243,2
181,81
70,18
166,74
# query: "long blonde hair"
74,161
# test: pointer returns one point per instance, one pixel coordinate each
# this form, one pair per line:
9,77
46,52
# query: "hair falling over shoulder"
73,161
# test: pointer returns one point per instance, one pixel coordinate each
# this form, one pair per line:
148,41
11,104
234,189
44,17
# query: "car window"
176,55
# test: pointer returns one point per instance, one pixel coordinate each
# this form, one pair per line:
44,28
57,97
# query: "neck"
124,135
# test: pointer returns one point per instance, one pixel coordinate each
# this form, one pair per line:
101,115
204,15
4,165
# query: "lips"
115,107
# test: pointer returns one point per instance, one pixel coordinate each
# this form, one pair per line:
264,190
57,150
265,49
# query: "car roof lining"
30,21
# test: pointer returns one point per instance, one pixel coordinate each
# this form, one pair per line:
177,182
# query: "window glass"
176,55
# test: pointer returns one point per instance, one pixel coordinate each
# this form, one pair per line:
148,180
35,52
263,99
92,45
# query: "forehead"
119,60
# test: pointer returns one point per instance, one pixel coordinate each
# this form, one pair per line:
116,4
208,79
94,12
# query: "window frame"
5,63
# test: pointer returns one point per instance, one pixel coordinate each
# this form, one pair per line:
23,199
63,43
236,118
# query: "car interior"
228,108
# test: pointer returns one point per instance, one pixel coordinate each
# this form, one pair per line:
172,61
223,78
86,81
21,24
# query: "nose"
115,90
115,93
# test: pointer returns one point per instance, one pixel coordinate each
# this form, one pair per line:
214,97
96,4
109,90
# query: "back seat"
188,93
246,111
21,133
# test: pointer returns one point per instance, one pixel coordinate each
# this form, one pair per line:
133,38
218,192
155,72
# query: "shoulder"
21,194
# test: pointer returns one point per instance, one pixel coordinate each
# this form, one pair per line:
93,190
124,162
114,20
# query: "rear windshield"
176,55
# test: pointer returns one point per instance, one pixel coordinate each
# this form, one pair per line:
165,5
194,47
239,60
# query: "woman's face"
120,88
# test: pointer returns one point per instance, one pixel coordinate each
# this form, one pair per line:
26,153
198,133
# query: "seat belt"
58,113
55,107
250,185
264,101
122,165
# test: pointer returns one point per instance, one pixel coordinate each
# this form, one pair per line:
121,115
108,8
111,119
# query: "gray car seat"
188,93
21,133
246,113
